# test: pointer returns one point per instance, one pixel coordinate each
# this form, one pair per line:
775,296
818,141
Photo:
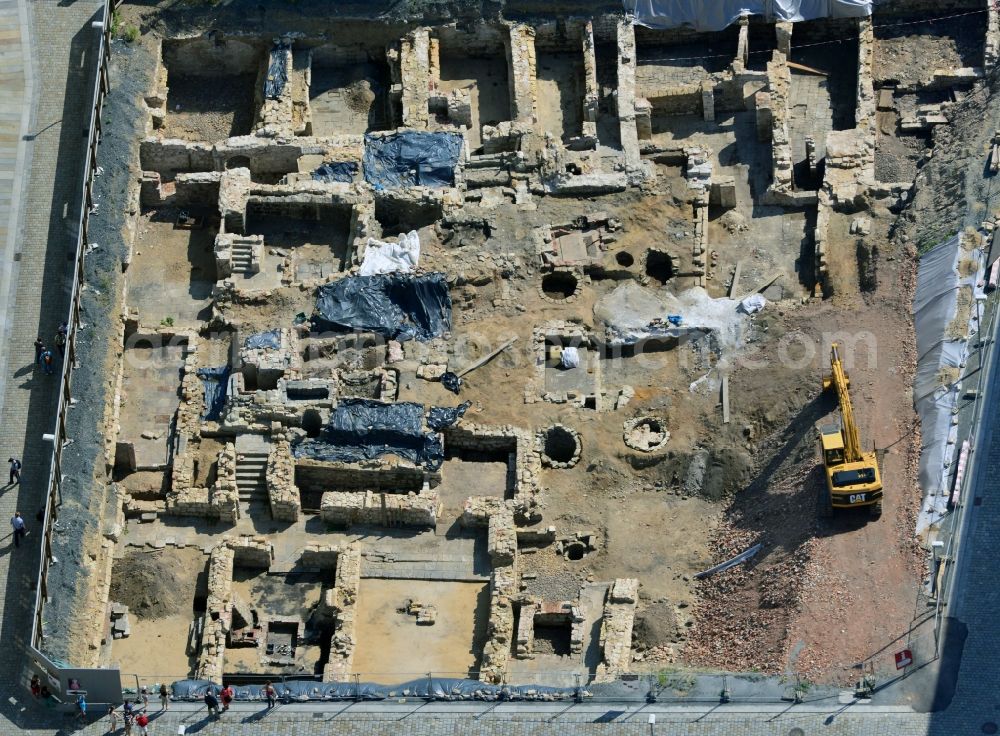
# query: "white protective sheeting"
382,257
714,15
570,358
939,352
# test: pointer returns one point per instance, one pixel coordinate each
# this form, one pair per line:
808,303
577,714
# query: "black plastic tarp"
277,71
396,305
451,381
412,158
269,339
215,381
362,429
336,171
440,417
192,689
426,688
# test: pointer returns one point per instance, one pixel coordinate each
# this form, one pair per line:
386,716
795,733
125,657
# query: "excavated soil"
156,585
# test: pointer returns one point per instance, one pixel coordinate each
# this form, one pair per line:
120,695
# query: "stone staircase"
242,259
251,468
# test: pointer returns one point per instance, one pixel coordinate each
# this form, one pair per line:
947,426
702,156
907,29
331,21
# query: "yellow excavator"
852,476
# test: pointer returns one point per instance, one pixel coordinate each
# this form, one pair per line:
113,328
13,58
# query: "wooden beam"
486,358
734,287
804,68
770,280
725,398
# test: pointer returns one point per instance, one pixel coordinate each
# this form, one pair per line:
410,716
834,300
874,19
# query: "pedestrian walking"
212,703
15,471
144,696
142,721
60,340
19,530
227,695
36,687
271,696
127,720
39,347
112,718
164,697
46,360
81,709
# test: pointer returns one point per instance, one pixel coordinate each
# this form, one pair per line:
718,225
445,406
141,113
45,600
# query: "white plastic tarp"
939,352
714,15
570,358
382,257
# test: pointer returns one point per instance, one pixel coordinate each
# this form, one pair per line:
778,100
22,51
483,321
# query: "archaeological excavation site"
479,348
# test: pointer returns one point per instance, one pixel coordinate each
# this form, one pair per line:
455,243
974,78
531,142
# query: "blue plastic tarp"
277,71
399,306
412,158
717,14
215,382
336,171
269,339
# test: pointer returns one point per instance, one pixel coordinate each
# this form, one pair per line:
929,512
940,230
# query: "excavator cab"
852,475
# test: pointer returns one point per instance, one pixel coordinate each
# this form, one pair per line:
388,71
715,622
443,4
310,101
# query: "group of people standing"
44,356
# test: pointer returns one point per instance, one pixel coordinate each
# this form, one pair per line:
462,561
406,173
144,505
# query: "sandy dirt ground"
392,645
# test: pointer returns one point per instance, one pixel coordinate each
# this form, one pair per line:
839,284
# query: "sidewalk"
43,108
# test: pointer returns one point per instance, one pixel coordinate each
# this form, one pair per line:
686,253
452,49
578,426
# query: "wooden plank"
734,287
770,280
725,398
804,68
486,358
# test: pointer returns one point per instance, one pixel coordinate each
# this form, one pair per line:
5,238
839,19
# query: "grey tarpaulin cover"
362,429
335,171
412,158
269,339
277,71
938,349
396,305
714,15
426,688
216,383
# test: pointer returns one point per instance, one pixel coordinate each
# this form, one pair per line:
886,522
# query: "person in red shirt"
142,721
227,695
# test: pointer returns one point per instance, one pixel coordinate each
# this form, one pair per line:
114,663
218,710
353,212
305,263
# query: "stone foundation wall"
616,629
245,551
343,599
380,509
286,503
221,501
779,85
504,589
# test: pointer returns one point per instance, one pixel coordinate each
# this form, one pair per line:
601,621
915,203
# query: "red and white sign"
904,659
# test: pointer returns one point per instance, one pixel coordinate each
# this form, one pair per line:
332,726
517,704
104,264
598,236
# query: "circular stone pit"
560,286
646,434
624,259
560,446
